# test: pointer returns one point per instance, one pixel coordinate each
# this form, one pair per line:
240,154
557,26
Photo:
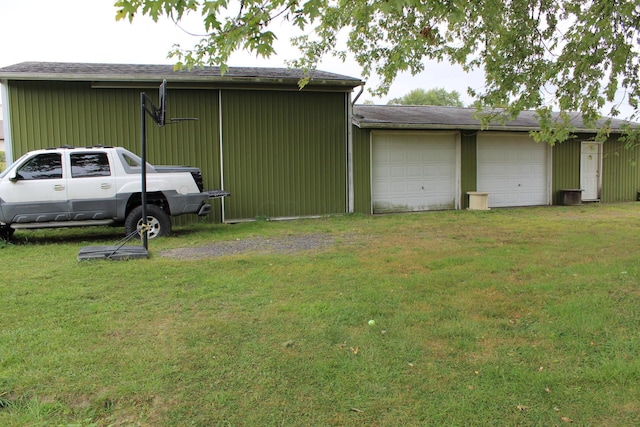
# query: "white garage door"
513,169
414,171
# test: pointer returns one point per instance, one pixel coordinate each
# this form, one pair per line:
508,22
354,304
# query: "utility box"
478,201
572,196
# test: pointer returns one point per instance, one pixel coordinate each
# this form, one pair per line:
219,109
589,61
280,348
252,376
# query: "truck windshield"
9,167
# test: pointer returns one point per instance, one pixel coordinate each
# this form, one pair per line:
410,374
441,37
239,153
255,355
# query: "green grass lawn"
527,317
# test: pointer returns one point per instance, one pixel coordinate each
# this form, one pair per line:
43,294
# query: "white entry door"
590,164
415,171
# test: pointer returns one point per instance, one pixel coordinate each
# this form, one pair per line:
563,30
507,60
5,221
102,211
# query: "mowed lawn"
510,317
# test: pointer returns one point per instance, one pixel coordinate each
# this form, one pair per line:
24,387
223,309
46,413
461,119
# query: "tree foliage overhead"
437,96
569,55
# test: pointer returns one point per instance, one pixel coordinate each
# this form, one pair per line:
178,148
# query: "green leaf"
573,55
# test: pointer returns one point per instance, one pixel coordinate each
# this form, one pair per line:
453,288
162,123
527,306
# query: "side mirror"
14,176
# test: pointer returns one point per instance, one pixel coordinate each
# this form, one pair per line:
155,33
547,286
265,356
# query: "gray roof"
435,117
147,73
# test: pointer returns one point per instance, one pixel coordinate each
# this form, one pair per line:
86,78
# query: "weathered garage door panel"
414,171
513,169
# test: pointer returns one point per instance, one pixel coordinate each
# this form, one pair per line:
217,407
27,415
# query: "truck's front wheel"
6,232
158,221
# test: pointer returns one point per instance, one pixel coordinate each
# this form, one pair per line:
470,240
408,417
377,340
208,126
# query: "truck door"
37,191
91,188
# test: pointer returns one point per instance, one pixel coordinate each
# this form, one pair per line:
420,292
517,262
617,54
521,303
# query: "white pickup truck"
68,187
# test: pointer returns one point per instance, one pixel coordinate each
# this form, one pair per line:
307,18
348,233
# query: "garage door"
513,169
414,171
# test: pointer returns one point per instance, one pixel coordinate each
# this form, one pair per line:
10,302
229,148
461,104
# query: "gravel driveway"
276,245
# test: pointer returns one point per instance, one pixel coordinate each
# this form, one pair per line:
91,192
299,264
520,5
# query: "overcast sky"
86,31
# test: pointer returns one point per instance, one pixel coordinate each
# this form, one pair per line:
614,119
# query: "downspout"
8,143
351,202
350,190
358,95
350,171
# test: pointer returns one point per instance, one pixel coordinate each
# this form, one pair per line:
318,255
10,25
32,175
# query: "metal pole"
143,174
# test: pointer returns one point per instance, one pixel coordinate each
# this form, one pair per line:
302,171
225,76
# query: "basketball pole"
158,116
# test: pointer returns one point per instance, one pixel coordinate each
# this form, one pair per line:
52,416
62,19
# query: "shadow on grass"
81,235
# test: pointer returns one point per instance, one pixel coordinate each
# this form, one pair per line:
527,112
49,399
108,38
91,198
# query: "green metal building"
283,152
280,151
418,158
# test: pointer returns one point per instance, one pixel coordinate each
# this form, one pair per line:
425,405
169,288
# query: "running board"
56,224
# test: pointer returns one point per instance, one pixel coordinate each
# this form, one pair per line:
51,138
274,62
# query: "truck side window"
130,160
85,165
42,166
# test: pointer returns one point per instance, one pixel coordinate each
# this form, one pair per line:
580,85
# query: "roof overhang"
393,117
123,75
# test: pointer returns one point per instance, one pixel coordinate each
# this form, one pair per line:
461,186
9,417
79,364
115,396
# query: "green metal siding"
191,142
362,170
46,114
565,168
620,172
468,166
284,153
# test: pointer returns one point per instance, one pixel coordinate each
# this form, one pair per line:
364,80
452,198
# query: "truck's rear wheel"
158,221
